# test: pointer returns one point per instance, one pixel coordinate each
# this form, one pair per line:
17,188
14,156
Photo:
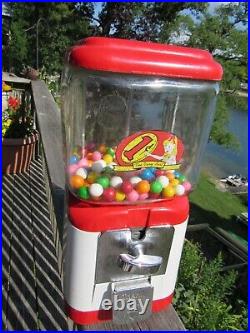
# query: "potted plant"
18,137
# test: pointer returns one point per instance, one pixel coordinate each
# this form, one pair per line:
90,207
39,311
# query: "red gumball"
126,187
160,173
109,194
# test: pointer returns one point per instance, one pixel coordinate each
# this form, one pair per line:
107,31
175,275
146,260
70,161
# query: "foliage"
60,25
203,293
16,121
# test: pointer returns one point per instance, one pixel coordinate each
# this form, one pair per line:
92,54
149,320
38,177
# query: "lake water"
220,161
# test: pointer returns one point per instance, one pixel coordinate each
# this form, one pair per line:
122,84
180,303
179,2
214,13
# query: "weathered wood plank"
49,289
166,320
22,304
7,215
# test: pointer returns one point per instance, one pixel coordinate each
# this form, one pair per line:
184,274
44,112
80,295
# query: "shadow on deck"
32,292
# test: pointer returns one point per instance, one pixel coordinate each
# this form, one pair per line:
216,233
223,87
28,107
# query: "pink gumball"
132,196
143,196
83,163
187,186
96,156
126,187
72,168
159,173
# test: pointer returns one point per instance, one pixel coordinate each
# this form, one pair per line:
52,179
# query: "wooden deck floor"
32,296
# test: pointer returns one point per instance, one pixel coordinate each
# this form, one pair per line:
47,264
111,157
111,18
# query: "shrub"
203,293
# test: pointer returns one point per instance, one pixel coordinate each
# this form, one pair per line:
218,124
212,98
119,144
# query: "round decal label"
149,149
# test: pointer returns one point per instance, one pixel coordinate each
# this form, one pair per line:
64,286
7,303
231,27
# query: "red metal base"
93,317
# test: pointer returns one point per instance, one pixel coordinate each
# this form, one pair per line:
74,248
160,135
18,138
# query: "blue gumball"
177,174
73,159
147,175
152,170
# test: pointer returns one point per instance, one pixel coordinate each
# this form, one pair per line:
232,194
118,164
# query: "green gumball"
156,187
83,192
110,151
182,178
103,181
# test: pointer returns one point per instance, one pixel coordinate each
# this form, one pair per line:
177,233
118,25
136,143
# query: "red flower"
13,102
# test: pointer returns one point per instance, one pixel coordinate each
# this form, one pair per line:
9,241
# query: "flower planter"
17,154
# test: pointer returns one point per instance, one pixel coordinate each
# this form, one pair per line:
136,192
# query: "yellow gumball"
92,177
174,182
108,158
120,196
168,192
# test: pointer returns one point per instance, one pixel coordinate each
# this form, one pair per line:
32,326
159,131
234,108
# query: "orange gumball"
89,156
143,187
102,149
90,163
170,175
76,181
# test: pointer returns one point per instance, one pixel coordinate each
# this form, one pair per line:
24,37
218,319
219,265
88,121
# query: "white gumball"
96,190
82,172
116,181
98,166
135,180
163,180
179,190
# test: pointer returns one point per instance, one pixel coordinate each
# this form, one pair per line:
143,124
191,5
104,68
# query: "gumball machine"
136,120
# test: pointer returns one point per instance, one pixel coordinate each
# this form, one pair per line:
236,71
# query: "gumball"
108,170
182,178
83,192
156,187
96,190
92,177
108,158
134,180
103,180
170,175
133,196
159,173
126,187
152,170
168,192
177,174
147,175
96,156
187,186
143,187
109,194
180,190
98,166
76,151
110,151
143,196
89,156
82,172
174,182
72,168
90,163
163,180
76,181
102,149
73,159
116,181
119,196
83,163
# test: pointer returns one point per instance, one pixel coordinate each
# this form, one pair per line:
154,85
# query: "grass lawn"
209,205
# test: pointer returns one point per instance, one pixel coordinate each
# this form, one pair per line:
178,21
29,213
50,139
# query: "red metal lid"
144,58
